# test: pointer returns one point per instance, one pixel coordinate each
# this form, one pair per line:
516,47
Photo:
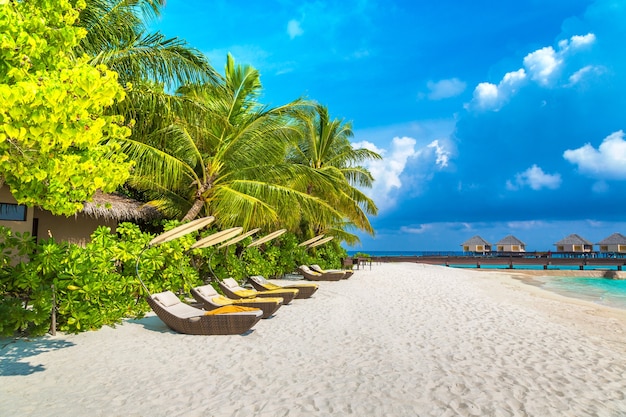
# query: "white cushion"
166,299
206,291
230,283
258,279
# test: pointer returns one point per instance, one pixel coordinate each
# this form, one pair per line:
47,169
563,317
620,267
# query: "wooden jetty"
514,260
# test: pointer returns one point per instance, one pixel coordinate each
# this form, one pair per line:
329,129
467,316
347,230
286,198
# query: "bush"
97,285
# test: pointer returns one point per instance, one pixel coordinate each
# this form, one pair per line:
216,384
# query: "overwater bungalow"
616,243
476,244
574,244
511,244
104,210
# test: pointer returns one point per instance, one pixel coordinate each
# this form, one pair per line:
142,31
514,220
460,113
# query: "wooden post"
53,318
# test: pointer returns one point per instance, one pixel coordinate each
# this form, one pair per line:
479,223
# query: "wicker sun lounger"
348,273
184,318
259,283
311,275
211,299
231,289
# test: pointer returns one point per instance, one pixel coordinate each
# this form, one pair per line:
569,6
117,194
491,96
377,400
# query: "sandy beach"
396,340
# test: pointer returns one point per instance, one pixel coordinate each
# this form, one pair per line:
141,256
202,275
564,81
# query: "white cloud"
488,96
543,66
443,156
535,178
294,29
577,41
526,225
585,72
445,88
387,171
394,173
422,228
606,162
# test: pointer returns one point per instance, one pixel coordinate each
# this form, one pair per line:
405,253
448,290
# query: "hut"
103,210
616,243
574,244
511,244
476,244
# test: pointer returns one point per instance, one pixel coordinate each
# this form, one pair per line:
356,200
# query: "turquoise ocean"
608,292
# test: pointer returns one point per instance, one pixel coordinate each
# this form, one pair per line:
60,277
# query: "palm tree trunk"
194,210
199,202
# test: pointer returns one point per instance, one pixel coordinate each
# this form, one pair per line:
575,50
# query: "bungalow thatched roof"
614,239
573,239
119,208
510,240
476,240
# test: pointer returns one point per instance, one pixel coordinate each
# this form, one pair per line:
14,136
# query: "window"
13,212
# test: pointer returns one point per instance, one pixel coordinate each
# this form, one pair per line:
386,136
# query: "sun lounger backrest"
259,279
169,302
231,283
166,299
206,291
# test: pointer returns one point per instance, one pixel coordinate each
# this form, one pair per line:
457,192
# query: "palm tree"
228,159
325,147
148,63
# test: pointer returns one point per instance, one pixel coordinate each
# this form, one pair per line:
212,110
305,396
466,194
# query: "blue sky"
494,118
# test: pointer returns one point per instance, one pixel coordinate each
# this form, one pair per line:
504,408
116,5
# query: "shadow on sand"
154,323
14,351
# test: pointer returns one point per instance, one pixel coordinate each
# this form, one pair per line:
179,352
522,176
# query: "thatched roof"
510,240
119,208
476,240
573,239
614,239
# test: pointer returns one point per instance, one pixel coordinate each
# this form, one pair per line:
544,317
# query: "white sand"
396,340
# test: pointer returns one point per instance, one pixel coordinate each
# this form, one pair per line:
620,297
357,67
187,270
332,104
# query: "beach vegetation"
91,100
228,160
98,284
58,144
323,145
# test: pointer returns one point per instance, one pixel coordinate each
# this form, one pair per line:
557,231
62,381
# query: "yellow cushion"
282,290
229,309
246,293
276,300
221,300
271,286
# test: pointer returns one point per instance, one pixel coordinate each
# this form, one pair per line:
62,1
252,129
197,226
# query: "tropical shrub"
93,286
57,147
98,284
